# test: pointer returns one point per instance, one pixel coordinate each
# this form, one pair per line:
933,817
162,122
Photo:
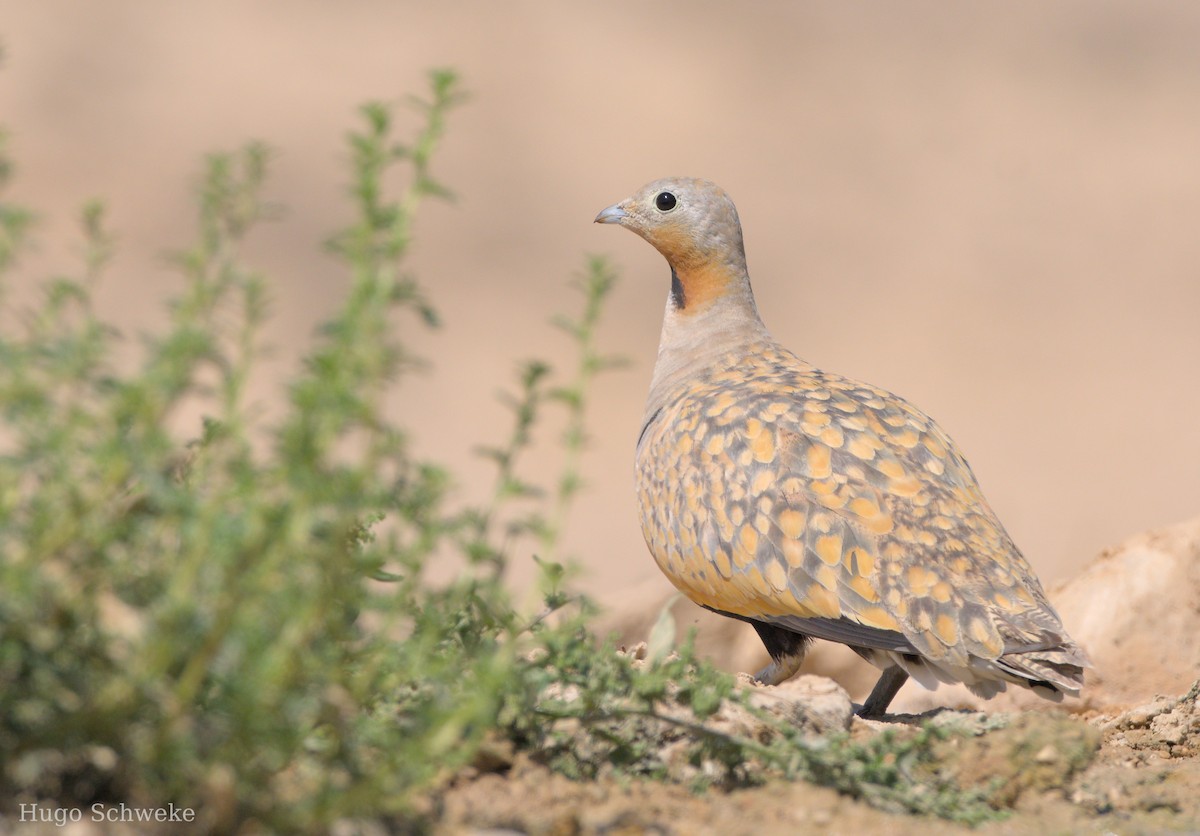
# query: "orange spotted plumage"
810,505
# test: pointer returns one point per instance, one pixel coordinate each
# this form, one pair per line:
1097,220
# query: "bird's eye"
665,201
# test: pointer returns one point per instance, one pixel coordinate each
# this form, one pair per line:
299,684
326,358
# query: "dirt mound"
1136,609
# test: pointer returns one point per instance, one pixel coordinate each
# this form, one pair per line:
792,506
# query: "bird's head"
692,222
695,225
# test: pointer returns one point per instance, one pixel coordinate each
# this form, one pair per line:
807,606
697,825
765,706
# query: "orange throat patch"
695,289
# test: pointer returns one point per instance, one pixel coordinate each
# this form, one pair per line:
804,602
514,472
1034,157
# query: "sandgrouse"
811,505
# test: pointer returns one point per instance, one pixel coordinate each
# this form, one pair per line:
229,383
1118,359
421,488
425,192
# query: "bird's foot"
780,670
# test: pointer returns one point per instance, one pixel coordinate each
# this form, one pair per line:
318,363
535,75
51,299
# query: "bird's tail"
1049,672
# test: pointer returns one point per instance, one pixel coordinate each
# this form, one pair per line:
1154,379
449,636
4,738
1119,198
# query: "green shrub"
239,622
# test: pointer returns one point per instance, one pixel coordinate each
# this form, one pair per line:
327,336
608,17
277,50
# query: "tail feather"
1060,669
1049,671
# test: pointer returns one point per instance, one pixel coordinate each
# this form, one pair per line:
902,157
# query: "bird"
811,505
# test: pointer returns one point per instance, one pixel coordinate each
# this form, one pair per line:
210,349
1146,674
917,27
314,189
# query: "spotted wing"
837,509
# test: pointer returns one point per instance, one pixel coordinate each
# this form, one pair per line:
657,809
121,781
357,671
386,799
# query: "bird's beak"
612,215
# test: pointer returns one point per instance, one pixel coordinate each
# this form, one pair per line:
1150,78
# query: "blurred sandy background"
992,209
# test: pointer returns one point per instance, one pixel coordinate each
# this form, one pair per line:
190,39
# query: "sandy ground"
1139,772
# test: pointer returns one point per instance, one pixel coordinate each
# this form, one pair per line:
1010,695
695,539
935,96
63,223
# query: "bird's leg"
883,692
781,669
786,649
